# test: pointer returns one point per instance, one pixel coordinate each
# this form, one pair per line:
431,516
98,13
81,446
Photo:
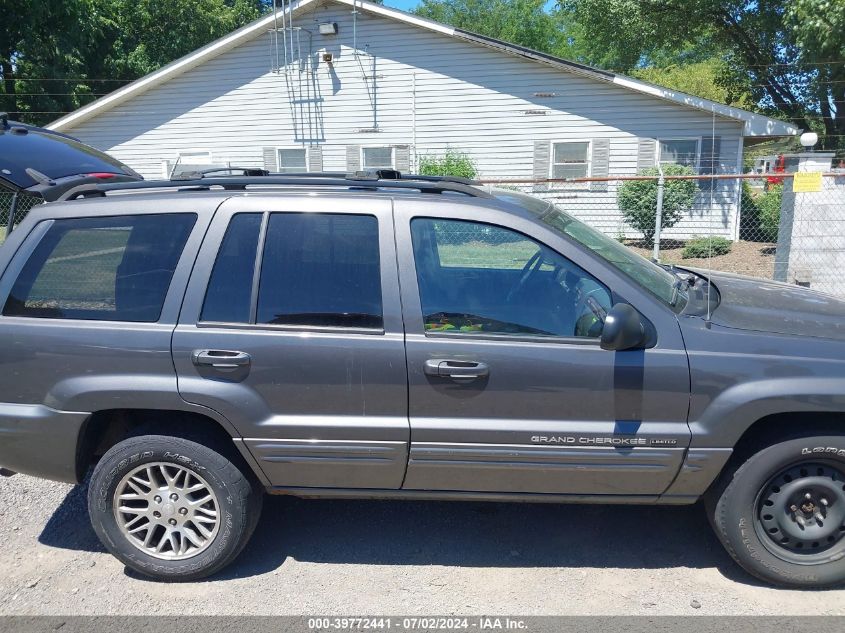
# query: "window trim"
256,280
392,149
664,139
304,148
588,162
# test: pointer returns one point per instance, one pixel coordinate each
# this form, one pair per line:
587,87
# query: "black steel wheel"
781,513
801,512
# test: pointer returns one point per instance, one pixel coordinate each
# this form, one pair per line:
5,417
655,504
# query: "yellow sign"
807,181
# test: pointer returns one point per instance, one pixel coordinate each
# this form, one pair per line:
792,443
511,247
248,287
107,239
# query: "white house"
338,85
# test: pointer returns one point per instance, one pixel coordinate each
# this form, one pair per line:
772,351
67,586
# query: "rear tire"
171,508
781,514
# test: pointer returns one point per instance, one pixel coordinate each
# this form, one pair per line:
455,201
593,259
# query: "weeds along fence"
749,225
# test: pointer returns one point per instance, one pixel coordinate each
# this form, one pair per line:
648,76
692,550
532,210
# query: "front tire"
170,508
781,514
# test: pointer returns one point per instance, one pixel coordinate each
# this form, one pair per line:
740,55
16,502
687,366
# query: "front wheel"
170,508
781,514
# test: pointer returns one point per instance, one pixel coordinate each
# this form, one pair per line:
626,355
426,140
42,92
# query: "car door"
291,329
509,390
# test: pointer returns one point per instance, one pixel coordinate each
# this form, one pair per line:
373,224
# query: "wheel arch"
107,427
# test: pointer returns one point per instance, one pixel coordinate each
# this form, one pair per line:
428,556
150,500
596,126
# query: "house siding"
419,88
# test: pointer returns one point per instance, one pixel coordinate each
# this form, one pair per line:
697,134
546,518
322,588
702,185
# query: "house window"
293,160
377,158
571,160
679,151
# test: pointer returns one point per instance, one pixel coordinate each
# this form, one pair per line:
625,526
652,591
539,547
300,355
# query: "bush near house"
769,212
701,247
637,199
452,163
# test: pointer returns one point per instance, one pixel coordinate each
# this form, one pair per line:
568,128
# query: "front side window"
377,158
293,160
108,268
571,160
322,270
680,151
477,278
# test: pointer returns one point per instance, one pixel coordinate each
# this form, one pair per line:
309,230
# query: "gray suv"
203,342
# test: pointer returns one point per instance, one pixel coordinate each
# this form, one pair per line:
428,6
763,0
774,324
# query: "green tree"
522,22
637,199
56,55
710,79
781,48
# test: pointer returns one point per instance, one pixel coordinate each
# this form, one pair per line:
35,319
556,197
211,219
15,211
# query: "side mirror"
624,328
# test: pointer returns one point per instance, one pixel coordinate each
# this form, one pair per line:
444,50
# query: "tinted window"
116,269
477,278
230,287
321,270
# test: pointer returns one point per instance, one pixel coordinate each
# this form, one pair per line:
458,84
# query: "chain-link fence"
13,208
750,225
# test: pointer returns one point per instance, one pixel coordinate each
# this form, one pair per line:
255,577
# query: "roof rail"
240,183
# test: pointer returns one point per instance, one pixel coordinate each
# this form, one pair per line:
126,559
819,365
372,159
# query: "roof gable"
754,124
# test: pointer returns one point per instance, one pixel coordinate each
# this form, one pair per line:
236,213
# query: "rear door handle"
220,358
456,369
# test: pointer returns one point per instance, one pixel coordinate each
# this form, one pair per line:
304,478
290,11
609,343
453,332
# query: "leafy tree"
56,55
522,22
784,47
452,163
637,199
710,79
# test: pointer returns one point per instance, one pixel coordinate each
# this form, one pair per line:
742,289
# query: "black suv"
46,164
204,341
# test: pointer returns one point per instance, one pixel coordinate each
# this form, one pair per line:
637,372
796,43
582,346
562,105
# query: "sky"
405,5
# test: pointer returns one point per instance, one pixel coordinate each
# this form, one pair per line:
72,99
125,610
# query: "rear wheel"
781,514
171,508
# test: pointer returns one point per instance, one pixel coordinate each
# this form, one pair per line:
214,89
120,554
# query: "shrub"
749,214
452,163
702,247
637,199
769,212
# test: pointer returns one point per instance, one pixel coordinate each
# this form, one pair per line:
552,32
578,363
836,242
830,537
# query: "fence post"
13,210
658,219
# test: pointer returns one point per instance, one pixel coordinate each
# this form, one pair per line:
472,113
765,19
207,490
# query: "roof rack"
364,181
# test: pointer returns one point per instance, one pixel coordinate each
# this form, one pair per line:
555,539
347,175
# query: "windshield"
658,280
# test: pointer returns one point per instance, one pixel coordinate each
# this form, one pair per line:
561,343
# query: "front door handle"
220,358
455,369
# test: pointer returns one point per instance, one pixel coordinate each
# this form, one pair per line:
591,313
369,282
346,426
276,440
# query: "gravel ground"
397,558
746,258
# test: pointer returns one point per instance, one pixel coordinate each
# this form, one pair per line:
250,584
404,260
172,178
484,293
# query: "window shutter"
646,151
353,158
711,148
271,159
402,158
600,163
315,158
542,162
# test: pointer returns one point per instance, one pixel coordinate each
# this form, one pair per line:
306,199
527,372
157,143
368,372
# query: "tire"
199,508
762,516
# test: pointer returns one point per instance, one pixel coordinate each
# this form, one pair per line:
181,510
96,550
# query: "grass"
510,255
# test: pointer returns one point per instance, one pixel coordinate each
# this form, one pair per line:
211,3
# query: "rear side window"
321,269
109,268
230,287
